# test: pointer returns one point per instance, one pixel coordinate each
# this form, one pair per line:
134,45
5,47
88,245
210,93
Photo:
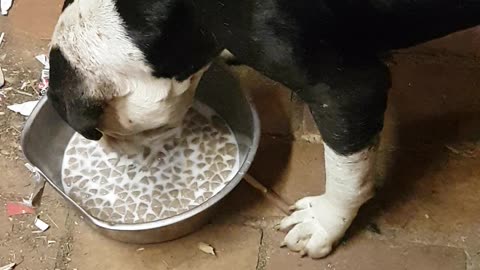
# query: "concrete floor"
426,214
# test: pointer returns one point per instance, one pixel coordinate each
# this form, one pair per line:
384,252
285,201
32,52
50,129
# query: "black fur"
328,51
66,4
66,93
348,104
170,36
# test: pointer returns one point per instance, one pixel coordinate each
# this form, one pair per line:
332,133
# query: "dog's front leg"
321,221
348,108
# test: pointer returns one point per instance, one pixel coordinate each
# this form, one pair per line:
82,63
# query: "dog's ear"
68,94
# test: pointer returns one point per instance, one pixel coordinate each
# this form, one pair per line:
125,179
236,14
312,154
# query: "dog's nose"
92,134
85,126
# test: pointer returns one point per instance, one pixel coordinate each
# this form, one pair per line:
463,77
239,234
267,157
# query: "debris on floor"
25,86
39,182
206,248
24,109
8,266
2,78
373,227
16,209
42,58
467,150
5,5
271,196
3,96
41,225
45,76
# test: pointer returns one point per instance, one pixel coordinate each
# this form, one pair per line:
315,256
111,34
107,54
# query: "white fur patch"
321,221
349,178
92,37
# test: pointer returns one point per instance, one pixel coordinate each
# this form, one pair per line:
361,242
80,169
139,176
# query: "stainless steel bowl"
46,136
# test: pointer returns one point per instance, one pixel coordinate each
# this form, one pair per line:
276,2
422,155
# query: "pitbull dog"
123,69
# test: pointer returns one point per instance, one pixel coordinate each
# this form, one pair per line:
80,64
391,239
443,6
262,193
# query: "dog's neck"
245,28
251,28
231,22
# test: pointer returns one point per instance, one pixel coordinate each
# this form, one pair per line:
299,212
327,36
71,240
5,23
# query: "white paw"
315,226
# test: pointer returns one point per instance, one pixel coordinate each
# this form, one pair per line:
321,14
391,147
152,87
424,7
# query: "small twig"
52,221
455,151
271,196
166,264
469,153
8,130
24,93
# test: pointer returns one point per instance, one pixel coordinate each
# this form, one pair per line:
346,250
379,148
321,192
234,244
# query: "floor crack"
262,253
65,247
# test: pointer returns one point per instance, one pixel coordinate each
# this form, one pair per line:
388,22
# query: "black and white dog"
122,69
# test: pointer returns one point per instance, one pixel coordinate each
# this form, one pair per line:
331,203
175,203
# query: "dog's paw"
316,225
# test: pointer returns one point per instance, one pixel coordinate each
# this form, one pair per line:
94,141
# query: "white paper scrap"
24,109
40,224
42,58
5,5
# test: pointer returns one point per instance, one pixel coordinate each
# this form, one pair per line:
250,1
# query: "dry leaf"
8,267
206,248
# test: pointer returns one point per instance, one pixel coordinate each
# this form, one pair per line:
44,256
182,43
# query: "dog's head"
120,68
